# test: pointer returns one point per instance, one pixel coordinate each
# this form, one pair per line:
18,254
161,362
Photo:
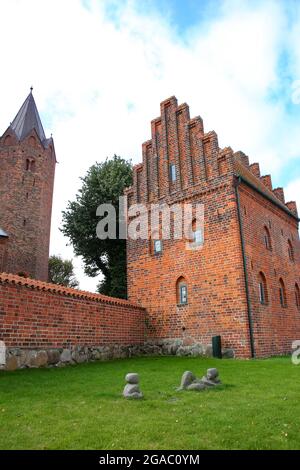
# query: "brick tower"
27,167
244,282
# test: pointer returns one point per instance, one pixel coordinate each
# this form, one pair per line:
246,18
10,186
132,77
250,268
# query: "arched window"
8,140
282,294
262,289
267,238
291,250
297,296
181,291
30,165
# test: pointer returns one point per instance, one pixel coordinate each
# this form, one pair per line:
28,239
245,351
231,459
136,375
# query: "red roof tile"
57,289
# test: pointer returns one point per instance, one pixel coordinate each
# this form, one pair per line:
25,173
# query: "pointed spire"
28,119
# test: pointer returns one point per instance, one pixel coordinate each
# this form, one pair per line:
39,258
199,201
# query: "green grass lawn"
81,407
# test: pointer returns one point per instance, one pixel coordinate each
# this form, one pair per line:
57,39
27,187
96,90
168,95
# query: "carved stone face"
212,374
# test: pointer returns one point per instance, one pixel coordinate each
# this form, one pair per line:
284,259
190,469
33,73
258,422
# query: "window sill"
194,246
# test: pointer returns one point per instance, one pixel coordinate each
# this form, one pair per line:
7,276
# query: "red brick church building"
27,166
239,280
244,284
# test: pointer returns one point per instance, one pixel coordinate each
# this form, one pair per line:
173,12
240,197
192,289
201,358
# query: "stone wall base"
178,347
21,358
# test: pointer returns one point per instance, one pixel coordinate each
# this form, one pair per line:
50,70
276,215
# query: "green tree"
103,183
62,272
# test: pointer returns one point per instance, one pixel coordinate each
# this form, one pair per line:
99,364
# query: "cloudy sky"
100,68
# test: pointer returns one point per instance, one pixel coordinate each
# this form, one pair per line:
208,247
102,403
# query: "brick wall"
3,252
40,316
216,292
275,327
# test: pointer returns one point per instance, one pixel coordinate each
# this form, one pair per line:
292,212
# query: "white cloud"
292,192
98,83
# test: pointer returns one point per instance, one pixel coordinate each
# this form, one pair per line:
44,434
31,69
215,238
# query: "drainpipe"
250,320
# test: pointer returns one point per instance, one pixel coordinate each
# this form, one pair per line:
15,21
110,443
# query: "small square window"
157,246
173,173
197,236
